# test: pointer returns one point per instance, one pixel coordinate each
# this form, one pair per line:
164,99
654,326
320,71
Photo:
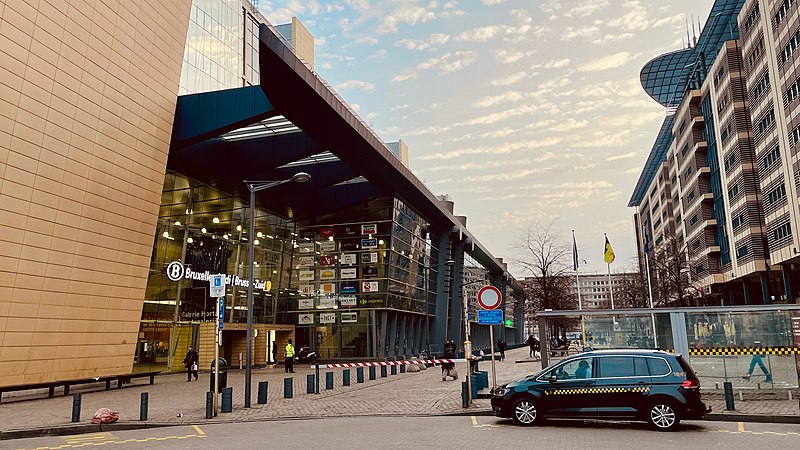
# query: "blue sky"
521,110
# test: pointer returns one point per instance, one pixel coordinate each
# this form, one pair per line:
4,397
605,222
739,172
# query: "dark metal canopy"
295,122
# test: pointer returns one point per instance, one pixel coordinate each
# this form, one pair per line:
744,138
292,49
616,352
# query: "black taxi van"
647,385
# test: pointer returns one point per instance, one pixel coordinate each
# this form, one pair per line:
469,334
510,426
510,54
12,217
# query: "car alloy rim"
662,416
525,412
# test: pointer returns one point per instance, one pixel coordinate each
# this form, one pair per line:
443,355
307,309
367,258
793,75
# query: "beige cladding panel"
87,97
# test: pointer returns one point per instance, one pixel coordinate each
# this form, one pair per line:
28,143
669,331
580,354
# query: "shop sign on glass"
369,258
305,275
328,245
369,286
327,318
369,229
305,261
349,273
369,243
348,259
347,301
327,274
349,317
305,319
305,303
327,260
327,303
349,287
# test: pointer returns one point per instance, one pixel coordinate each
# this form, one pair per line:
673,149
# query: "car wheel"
662,416
525,412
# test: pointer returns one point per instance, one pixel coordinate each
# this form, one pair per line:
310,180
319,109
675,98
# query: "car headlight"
501,391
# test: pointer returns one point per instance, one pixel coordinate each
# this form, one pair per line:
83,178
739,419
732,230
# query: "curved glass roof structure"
666,79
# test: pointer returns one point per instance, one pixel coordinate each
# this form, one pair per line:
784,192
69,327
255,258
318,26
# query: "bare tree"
546,257
669,273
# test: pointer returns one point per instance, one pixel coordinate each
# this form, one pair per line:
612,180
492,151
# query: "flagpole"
610,287
650,293
578,287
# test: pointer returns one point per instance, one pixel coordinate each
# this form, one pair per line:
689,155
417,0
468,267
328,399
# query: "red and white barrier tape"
409,362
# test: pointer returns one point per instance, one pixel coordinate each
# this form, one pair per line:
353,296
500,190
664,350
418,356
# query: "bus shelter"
753,347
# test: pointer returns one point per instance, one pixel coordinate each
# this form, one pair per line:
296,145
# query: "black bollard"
464,398
227,399
359,374
209,405
76,407
316,379
262,392
310,383
328,380
287,388
394,370
728,386
403,368
346,377
372,372
383,372
143,406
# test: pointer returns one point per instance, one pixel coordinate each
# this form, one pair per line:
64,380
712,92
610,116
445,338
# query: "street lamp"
253,187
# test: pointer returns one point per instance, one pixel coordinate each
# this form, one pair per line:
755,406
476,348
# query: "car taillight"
691,384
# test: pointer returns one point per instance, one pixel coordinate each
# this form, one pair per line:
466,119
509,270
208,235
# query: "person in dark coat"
190,362
501,345
533,343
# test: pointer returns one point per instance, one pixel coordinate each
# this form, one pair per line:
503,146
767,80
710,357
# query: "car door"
567,388
622,384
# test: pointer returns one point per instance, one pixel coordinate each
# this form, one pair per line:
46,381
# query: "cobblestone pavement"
173,400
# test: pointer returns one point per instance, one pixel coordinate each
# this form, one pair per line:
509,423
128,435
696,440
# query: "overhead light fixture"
177,223
260,234
203,230
190,240
256,242
238,228
215,220
380,242
225,236
165,234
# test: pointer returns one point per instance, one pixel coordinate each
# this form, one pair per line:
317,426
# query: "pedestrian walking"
289,354
190,362
501,345
757,358
533,343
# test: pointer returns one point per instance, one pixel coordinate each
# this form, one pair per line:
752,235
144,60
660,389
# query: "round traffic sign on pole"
489,297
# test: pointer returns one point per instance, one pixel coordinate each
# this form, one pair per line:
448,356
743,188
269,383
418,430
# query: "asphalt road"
430,432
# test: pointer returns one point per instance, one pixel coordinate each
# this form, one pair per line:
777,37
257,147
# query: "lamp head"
301,177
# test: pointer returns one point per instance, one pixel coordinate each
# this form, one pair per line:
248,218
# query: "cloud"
356,84
509,79
509,56
493,2
416,44
505,97
615,60
623,156
557,64
405,13
482,34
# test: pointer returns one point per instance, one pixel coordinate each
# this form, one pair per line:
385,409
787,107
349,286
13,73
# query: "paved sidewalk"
174,401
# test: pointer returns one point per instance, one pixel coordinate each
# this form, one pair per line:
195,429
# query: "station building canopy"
295,122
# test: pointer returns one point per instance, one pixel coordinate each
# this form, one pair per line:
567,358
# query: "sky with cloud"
521,110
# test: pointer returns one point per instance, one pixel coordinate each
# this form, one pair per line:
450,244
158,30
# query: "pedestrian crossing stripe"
598,390
741,351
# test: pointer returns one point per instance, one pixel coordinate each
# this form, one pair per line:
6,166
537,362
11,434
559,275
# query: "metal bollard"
316,375
728,386
464,399
143,406
346,379
372,372
76,407
310,383
328,380
262,392
359,374
394,370
209,405
287,387
227,399
403,368
383,372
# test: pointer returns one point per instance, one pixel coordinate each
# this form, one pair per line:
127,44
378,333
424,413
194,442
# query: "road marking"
90,437
92,440
474,421
199,431
741,427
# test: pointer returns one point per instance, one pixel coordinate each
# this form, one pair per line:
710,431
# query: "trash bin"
223,374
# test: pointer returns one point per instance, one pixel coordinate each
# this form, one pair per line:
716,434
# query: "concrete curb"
62,430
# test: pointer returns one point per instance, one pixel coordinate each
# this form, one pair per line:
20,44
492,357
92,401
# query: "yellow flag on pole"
608,255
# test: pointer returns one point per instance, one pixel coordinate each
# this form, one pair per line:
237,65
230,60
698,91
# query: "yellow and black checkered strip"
744,351
598,390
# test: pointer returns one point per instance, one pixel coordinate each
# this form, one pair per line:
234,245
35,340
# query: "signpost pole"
217,343
491,346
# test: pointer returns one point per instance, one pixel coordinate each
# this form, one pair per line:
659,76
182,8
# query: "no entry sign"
489,297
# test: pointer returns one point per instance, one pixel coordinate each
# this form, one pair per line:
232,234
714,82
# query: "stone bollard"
310,383
383,372
372,372
359,374
328,380
227,399
346,377
394,370
262,392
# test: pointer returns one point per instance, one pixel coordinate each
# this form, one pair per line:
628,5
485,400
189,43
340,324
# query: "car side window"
575,369
658,366
616,366
640,367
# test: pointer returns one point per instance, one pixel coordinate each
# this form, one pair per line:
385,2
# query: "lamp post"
253,187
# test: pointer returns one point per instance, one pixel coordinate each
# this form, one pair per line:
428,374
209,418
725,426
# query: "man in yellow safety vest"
289,353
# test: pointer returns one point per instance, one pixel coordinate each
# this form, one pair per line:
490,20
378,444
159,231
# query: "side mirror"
552,379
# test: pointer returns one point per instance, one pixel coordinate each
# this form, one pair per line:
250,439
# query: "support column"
383,325
787,284
745,291
455,330
438,322
680,340
392,335
764,276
